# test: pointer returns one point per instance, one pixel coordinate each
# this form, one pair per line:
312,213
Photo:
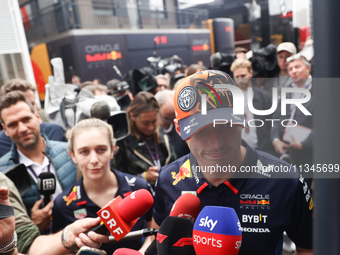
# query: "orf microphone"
174,237
120,215
217,230
186,206
46,186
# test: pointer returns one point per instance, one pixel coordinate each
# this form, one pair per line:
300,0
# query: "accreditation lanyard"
33,172
156,160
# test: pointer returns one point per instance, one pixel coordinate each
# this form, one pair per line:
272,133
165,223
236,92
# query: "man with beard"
22,124
52,131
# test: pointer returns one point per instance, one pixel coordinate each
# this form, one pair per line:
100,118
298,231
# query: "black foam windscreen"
46,185
174,237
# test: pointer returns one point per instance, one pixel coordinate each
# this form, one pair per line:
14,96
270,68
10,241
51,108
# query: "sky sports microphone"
46,186
174,237
217,230
126,251
186,206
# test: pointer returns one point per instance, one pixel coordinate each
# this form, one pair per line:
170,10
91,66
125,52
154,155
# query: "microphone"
186,206
134,205
217,230
46,186
174,237
126,251
120,215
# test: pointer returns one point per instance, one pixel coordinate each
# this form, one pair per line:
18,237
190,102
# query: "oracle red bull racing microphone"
217,230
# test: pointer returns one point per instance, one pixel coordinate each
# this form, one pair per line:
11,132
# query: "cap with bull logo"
202,98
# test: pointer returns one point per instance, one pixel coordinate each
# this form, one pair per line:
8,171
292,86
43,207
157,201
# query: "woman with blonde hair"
91,146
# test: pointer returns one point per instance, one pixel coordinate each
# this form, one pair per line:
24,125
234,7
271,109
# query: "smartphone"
90,251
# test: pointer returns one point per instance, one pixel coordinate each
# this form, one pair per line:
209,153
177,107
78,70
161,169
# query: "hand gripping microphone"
120,215
174,237
126,251
217,230
46,186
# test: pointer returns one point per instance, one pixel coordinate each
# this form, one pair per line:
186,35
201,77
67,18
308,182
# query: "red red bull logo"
248,202
114,55
71,197
263,202
203,47
184,171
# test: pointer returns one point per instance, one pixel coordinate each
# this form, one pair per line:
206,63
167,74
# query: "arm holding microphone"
24,227
46,186
118,218
52,244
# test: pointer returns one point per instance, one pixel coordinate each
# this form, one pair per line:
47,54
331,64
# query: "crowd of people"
168,140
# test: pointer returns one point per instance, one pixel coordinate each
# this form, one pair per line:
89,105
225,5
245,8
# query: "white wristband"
63,239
